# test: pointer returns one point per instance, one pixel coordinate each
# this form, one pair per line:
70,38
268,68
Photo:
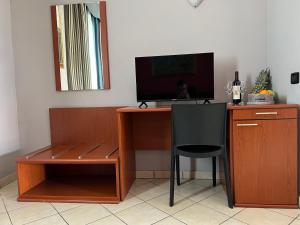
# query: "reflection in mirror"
80,46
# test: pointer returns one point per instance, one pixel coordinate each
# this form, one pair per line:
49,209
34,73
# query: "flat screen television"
175,77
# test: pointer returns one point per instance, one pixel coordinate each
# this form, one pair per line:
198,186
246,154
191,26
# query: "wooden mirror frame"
104,45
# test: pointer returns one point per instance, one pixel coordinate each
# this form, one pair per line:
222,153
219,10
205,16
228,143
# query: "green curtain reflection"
77,47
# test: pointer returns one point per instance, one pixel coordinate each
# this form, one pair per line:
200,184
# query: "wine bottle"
236,90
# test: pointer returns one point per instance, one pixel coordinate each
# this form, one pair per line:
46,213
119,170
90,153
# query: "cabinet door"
265,162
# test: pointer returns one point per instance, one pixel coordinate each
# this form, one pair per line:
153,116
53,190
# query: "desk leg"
126,153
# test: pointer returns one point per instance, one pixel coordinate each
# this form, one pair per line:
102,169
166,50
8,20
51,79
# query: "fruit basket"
260,99
262,93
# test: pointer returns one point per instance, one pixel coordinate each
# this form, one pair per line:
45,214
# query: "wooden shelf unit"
82,163
77,174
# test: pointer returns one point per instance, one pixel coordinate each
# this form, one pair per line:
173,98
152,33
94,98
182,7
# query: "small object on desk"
236,90
262,93
260,99
228,91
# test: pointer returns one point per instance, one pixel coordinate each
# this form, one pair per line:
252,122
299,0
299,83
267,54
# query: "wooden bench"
82,163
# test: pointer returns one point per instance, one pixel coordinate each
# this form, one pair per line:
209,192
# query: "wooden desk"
263,154
255,153
140,129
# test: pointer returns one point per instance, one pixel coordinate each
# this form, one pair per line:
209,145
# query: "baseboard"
149,174
8,179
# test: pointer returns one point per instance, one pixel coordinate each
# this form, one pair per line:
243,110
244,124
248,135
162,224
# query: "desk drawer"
246,114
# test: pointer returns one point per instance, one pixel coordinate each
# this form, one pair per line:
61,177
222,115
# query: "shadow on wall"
224,72
8,163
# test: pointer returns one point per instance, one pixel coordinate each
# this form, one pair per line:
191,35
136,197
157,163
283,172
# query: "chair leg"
177,170
172,180
228,181
214,168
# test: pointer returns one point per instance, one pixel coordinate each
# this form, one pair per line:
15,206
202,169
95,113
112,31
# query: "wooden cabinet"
263,153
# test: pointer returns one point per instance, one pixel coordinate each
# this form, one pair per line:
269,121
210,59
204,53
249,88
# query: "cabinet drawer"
257,114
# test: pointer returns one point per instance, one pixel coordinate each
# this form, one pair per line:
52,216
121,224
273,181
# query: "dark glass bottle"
236,90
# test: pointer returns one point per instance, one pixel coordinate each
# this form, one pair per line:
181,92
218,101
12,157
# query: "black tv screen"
175,77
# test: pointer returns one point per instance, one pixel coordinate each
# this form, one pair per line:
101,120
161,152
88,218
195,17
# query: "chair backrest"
199,124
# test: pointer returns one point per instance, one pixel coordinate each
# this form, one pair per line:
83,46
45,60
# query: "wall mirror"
80,46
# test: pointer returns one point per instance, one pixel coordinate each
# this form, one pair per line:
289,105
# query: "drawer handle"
266,113
248,125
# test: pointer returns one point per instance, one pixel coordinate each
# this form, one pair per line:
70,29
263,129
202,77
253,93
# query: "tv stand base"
206,101
141,105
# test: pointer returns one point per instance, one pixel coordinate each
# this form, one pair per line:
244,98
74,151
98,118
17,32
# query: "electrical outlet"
295,78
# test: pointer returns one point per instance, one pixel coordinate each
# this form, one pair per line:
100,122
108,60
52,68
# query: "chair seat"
199,150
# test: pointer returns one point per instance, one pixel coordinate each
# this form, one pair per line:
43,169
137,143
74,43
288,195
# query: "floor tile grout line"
39,219
282,214
179,220
195,202
110,213
3,204
121,211
159,209
161,220
25,206
67,209
98,219
219,211
232,217
292,221
150,198
237,218
147,204
120,219
167,218
19,208
127,207
6,211
188,182
143,201
199,202
172,215
225,221
59,213
188,197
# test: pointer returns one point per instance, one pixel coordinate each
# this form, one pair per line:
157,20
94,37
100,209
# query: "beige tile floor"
196,202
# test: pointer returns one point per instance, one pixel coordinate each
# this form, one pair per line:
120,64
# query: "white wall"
284,46
235,30
9,133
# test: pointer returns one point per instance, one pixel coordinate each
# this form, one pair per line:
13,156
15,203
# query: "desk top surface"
230,107
149,109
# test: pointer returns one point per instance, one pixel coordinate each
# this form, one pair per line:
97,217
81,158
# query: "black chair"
199,131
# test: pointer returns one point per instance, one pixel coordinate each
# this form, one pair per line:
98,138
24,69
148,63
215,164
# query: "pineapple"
263,81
